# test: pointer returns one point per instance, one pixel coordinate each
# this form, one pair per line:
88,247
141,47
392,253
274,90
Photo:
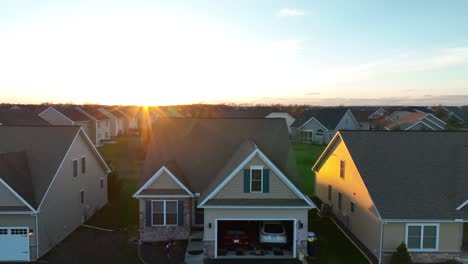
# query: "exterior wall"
313,125
86,126
104,130
235,188
113,123
364,222
62,211
164,181
211,214
23,221
163,233
7,198
348,122
54,117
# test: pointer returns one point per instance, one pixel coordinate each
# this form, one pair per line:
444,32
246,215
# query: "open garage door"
14,244
255,239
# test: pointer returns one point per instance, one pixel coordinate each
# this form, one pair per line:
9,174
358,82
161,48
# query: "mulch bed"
155,252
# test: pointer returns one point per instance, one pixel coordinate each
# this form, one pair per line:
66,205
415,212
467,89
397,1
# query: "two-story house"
100,123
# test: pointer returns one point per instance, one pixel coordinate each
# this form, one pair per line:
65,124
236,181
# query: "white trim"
425,118
17,195
272,166
256,207
86,114
164,212
156,176
161,196
325,128
420,122
423,220
36,232
255,219
260,168
422,249
50,107
16,213
94,149
329,146
462,205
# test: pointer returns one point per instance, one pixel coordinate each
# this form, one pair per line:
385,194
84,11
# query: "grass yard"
306,155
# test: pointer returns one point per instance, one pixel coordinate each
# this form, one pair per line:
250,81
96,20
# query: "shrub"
452,261
401,256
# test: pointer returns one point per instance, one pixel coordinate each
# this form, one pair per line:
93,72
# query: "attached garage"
14,244
255,238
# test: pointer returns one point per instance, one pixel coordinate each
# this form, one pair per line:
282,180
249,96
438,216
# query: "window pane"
414,231
430,231
414,242
158,207
171,218
429,242
256,178
171,206
414,237
158,219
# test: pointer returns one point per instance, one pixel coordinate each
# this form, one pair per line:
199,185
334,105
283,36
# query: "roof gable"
163,179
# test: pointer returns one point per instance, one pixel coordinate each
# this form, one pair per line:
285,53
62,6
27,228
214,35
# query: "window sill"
423,250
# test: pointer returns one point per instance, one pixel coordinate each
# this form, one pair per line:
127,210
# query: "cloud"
286,12
312,93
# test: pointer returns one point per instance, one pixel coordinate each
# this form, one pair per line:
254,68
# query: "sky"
239,51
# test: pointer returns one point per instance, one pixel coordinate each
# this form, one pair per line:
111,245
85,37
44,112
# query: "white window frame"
421,249
164,212
260,168
309,139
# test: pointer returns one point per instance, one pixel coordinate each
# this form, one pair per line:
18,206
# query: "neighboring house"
417,121
131,114
117,120
401,112
68,115
389,187
287,117
196,177
19,116
320,125
101,123
52,179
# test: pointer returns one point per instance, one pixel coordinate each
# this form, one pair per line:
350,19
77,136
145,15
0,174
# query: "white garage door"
14,244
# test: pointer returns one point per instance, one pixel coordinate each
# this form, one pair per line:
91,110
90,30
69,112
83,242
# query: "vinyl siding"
55,118
164,181
7,198
62,211
347,122
235,188
211,214
364,222
450,236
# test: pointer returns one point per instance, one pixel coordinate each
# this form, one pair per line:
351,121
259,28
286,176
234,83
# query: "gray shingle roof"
14,170
43,147
329,117
203,148
16,117
413,175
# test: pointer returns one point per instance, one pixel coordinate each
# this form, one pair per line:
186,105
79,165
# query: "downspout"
37,239
381,241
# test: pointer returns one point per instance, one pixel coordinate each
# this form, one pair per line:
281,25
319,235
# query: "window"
83,164
352,207
340,198
75,168
319,132
342,169
102,183
82,197
21,231
422,237
256,180
330,192
164,213
3,231
307,136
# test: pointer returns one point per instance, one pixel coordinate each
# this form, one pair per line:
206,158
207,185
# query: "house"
284,115
197,176
319,125
67,115
398,113
417,121
131,114
52,179
389,187
100,123
117,120
20,116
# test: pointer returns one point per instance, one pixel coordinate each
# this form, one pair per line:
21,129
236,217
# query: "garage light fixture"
31,232
209,225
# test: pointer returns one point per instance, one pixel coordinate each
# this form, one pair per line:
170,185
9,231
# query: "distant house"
131,114
417,121
401,112
67,115
101,123
52,179
20,116
320,125
117,120
287,117
389,187
195,176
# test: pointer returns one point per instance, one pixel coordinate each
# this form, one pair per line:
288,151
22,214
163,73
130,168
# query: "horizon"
166,53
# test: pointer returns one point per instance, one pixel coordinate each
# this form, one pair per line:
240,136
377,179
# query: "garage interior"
250,232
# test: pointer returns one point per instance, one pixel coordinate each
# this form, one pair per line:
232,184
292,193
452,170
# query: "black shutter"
266,180
180,212
148,213
246,180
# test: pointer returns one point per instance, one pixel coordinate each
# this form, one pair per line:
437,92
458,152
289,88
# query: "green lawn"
306,155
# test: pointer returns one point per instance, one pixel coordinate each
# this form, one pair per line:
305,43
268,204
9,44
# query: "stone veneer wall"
163,233
425,257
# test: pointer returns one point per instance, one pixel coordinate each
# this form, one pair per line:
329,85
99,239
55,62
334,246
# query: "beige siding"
364,222
62,211
235,188
7,198
164,181
28,221
450,236
211,214
54,117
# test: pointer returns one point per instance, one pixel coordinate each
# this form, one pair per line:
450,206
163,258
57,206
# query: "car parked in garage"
234,238
273,233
